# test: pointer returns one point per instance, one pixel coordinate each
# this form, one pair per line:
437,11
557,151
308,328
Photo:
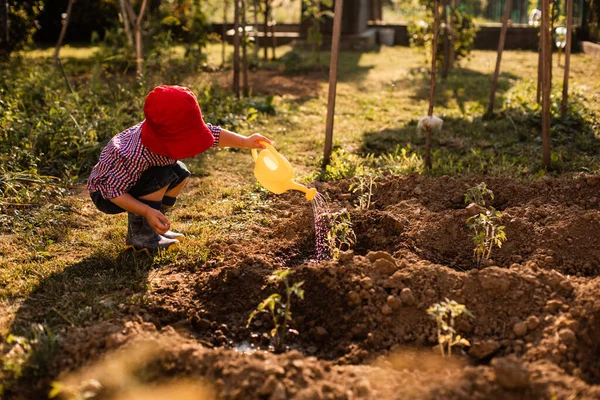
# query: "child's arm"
155,218
232,139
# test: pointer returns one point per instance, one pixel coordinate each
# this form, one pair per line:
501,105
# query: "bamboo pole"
490,110
565,94
436,26
333,69
546,82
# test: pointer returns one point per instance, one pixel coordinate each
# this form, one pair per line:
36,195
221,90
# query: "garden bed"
363,327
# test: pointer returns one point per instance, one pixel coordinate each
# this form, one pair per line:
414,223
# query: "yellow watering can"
275,173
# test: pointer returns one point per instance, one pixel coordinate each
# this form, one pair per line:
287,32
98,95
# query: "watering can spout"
276,174
310,193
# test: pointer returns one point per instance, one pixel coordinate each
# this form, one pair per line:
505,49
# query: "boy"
139,172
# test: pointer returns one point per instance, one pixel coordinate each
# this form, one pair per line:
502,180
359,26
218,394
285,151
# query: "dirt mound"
363,327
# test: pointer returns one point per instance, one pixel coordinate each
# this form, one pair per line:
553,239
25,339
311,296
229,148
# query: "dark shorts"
152,180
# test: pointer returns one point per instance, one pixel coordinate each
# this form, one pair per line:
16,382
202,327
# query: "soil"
363,328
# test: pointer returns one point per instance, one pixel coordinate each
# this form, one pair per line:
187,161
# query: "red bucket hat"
174,125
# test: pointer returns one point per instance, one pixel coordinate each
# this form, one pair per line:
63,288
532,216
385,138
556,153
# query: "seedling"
341,235
363,185
280,311
444,314
487,233
478,193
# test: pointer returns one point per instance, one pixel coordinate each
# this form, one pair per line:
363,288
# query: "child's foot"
141,236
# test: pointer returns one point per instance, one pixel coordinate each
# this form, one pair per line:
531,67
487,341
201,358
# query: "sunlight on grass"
80,53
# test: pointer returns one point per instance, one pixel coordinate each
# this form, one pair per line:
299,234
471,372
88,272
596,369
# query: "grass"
73,270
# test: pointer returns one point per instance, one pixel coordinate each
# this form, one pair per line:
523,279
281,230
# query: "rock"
384,266
279,392
567,336
532,322
474,209
366,282
376,255
407,297
510,372
520,329
346,256
394,302
484,348
386,310
353,298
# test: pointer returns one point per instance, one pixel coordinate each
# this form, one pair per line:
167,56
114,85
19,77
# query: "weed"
486,230
278,307
34,352
445,314
340,235
87,389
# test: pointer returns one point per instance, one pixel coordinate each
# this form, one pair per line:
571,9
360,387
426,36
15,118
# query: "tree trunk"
436,27
136,21
546,82
538,91
333,69
236,48
490,110
63,31
565,94
244,51
4,39
126,26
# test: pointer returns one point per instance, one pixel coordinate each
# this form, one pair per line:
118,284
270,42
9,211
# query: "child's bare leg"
168,201
174,192
156,196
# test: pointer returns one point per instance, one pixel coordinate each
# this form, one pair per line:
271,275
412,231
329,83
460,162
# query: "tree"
126,27
490,110
19,24
136,21
63,31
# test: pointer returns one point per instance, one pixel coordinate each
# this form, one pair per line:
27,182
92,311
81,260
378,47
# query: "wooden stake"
236,48
546,82
333,69
565,94
436,26
245,89
63,32
490,110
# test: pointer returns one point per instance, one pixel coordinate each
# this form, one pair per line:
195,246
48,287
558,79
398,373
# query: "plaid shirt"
124,159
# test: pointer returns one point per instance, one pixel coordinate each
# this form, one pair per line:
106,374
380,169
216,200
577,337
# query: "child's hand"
157,221
253,141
